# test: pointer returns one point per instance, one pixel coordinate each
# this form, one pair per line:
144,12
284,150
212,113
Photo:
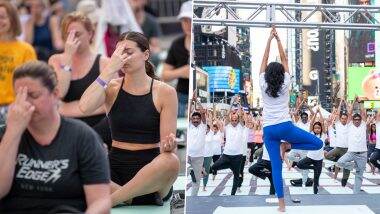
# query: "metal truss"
333,16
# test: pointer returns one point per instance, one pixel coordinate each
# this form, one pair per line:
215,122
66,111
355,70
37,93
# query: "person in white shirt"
232,157
217,142
208,153
248,128
196,135
314,159
357,146
274,84
341,142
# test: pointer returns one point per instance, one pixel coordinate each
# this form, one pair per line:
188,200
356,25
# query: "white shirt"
377,135
276,110
303,126
341,135
357,141
196,137
332,136
245,134
317,154
208,150
265,154
217,140
234,140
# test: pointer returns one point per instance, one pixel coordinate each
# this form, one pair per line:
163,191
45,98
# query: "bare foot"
281,205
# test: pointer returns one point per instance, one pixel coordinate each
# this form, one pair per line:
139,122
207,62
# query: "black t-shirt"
150,26
178,56
48,176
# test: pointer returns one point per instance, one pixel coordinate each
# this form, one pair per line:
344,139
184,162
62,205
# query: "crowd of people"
84,129
301,137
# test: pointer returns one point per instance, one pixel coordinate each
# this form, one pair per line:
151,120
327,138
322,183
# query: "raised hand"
20,112
118,59
71,45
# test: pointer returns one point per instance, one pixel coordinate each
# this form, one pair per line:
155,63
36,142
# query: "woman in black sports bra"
142,114
76,68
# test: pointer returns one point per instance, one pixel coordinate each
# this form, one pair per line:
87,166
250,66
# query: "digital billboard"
223,78
364,82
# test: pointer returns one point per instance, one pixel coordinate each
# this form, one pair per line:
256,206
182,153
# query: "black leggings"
214,159
375,158
253,147
233,162
263,169
316,165
124,166
241,172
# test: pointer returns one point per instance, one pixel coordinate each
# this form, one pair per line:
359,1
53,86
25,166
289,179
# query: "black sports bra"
134,118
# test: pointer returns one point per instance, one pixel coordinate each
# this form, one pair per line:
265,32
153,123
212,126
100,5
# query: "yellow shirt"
12,55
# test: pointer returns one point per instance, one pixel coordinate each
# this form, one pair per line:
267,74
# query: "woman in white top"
314,159
274,84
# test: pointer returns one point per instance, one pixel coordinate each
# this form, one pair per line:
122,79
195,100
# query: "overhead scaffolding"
334,16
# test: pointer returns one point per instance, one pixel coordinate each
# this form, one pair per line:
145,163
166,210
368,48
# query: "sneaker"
177,201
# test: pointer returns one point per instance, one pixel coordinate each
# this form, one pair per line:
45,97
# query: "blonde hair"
75,17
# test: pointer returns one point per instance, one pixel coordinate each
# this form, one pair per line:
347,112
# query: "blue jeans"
182,104
298,138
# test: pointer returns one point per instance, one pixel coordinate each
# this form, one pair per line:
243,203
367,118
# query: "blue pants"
298,138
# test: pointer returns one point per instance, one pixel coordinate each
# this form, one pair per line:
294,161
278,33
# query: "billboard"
202,85
364,82
223,78
359,41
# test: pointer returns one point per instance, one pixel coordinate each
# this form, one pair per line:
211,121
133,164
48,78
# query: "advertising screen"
223,78
364,82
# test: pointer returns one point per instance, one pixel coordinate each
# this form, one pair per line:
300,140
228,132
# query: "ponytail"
149,69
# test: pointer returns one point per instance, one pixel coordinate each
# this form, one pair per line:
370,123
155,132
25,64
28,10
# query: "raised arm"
296,112
350,111
312,120
95,95
284,59
19,115
363,112
264,62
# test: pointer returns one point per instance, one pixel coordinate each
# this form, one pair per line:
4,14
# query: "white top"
332,136
317,154
245,135
234,140
217,141
303,126
357,142
196,137
275,110
208,150
341,135
265,153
